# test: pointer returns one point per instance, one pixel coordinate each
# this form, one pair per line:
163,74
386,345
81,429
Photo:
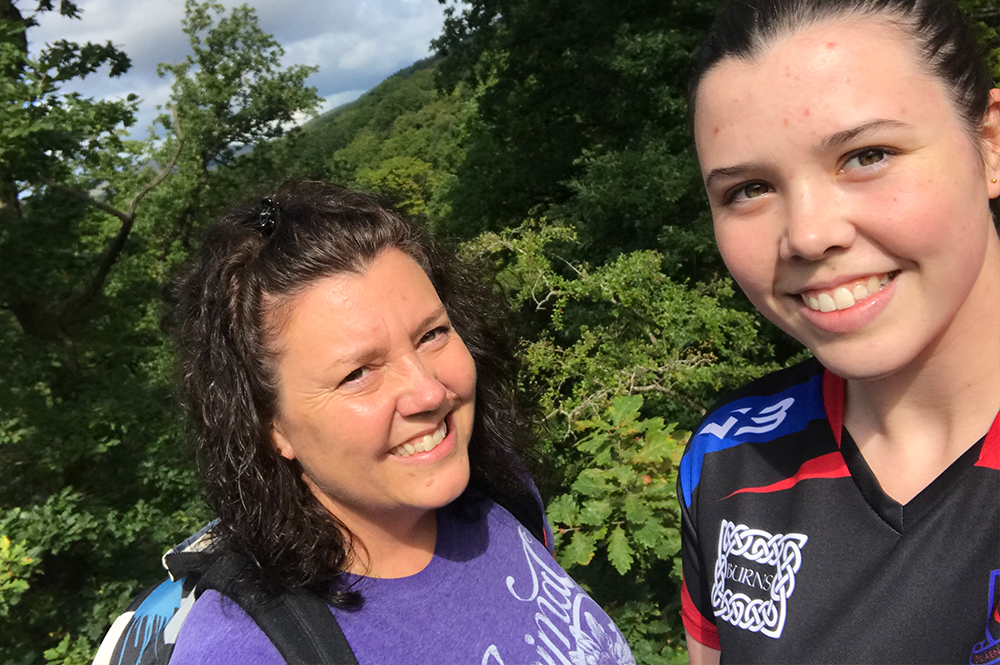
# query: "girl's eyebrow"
734,171
832,141
835,140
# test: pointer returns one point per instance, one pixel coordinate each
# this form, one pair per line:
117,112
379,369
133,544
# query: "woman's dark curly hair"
264,254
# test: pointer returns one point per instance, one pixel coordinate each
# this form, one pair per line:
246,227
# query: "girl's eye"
747,191
864,158
356,375
434,334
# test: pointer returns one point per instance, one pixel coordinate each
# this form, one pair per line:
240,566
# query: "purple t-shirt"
492,594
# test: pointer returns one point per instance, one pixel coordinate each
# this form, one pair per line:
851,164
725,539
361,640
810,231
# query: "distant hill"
376,110
401,140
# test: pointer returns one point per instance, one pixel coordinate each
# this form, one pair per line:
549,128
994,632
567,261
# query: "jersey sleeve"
696,608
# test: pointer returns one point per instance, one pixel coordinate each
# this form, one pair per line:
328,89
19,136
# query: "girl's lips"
847,294
853,317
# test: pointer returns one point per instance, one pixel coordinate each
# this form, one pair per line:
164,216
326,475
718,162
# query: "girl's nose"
814,224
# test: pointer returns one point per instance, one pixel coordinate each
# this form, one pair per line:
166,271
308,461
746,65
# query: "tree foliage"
96,475
582,118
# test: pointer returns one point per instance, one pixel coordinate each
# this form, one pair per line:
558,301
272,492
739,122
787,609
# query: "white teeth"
844,297
424,444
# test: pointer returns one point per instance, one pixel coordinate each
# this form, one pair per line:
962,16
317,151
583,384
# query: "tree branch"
128,220
89,200
161,176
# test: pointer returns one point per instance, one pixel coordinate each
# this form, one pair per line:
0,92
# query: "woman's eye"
865,157
356,375
434,334
747,191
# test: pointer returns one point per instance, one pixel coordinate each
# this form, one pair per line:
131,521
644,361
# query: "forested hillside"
547,140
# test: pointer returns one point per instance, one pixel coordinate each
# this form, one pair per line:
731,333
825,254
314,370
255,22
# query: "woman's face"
376,393
849,199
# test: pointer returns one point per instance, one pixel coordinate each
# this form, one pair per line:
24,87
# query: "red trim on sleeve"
695,624
989,456
833,402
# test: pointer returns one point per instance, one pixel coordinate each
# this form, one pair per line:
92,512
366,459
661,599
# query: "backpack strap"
302,628
297,622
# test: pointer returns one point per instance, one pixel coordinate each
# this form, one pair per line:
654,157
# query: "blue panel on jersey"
751,419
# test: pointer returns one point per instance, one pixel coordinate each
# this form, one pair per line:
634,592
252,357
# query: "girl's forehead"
823,78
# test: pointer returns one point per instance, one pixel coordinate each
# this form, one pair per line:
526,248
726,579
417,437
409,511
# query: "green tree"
231,93
97,479
582,118
601,343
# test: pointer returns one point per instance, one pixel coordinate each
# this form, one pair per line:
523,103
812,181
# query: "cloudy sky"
355,43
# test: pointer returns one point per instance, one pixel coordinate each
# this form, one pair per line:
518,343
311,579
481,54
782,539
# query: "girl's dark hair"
939,30
262,255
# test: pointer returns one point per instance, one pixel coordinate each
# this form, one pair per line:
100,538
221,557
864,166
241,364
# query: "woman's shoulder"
217,630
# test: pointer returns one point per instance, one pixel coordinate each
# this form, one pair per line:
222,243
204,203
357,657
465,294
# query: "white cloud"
355,43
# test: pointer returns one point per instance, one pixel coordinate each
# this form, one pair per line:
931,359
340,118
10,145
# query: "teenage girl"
846,509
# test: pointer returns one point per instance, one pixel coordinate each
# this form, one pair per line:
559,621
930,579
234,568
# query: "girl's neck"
911,425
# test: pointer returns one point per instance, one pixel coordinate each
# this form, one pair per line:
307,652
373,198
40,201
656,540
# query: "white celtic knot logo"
783,551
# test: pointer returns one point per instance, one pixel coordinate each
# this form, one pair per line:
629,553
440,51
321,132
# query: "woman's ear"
990,135
281,443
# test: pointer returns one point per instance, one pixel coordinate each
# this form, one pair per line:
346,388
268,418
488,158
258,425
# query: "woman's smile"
425,443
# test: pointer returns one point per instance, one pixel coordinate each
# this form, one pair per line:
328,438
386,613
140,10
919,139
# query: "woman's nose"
420,390
815,223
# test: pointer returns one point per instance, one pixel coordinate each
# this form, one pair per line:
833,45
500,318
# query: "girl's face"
849,198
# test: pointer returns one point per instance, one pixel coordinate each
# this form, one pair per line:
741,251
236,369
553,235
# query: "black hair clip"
268,218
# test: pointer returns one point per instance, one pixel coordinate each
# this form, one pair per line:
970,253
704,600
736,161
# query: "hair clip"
268,218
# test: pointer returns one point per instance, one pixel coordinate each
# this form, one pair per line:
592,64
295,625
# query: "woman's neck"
385,544
911,425
396,550
395,547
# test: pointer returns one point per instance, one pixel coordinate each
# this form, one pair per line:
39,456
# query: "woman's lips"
424,444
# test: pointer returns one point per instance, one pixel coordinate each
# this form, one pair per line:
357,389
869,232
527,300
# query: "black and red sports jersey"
793,553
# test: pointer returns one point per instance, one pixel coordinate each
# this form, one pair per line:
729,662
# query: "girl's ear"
281,443
990,135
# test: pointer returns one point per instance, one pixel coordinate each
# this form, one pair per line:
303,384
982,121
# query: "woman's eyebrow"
432,317
840,138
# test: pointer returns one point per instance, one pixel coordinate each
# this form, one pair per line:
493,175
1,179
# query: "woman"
846,509
355,410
